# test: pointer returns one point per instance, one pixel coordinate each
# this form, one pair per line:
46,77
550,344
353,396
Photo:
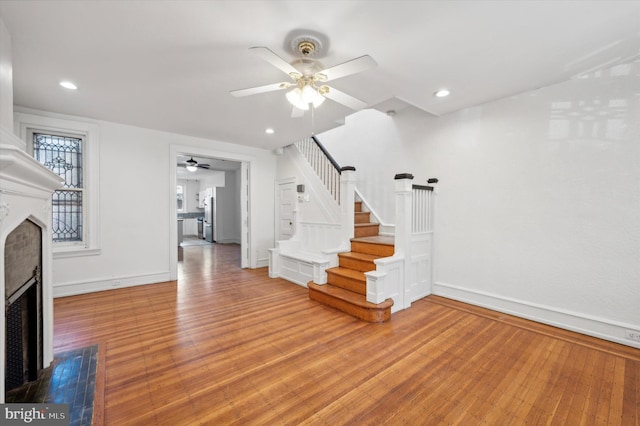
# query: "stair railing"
421,209
322,163
406,276
421,240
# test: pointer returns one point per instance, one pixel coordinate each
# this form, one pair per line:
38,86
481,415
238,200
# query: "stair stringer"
385,228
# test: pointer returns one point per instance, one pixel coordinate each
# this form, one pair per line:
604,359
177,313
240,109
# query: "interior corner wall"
134,208
371,142
538,201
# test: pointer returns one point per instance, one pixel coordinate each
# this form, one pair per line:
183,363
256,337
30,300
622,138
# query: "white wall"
538,204
313,209
372,142
134,208
6,79
211,179
228,209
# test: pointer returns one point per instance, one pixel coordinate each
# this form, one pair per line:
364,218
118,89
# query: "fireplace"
25,195
23,304
26,279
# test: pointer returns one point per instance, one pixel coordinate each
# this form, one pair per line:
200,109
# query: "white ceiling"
170,65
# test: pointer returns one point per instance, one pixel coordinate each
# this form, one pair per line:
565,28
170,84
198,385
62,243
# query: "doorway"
219,179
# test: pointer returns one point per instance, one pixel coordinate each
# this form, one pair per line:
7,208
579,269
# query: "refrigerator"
210,229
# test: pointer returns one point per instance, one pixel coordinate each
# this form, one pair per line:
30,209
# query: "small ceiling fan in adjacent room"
192,165
308,77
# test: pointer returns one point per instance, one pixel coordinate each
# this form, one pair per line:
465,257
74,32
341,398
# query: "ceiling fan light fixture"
302,97
295,98
318,100
309,76
192,165
308,94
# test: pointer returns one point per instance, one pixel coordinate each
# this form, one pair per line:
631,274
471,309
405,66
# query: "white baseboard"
590,325
82,287
229,241
261,263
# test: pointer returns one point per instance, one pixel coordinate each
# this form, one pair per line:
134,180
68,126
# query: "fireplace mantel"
25,193
18,169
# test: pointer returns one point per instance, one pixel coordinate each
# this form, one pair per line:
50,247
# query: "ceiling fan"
308,76
192,165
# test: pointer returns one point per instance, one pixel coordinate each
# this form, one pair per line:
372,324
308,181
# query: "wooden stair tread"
351,303
350,296
359,256
387,240
349,273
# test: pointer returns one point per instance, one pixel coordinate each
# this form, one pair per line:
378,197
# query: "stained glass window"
63,156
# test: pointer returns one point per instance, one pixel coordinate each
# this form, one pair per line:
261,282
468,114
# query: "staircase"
346,286
363,226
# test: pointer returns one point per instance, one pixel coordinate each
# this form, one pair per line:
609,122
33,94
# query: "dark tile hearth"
70,380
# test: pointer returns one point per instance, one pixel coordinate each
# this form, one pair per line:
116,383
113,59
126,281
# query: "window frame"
29,124
82,190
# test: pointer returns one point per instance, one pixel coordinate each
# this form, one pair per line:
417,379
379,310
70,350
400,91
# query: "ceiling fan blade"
260,89
353,66
344,99
275,60
296,112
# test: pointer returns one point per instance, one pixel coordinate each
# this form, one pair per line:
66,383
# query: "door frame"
245,197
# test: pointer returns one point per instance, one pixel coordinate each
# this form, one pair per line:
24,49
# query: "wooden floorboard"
224,345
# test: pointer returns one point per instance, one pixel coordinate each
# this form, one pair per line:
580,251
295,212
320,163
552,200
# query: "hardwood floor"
230,346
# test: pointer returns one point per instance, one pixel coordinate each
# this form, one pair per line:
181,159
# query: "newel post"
347,200
404,196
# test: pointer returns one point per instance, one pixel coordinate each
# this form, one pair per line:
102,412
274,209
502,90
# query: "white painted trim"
82,287
25,189
27,120
229,241
246,247
590,325
263,262
76,253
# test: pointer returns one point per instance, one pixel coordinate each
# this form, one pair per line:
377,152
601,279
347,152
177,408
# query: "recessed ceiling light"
68,85
269,131
442,93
